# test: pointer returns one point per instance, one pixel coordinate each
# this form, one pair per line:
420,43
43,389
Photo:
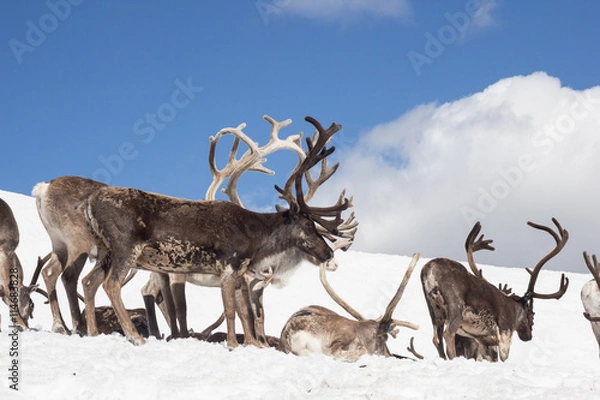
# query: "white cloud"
344,10
525,148
483,17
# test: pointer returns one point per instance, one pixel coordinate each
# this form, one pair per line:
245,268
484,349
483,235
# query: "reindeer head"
25,303
310,223
327,221
524,325
375,332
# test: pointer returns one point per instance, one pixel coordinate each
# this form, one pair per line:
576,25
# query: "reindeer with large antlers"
590,295
164,234
254,283
13,292
316,329
463,304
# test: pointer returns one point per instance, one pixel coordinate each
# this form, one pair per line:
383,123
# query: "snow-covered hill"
561,361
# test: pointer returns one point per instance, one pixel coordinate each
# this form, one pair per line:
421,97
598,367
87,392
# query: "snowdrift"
560,362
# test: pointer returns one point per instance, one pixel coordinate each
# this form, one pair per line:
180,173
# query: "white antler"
251,160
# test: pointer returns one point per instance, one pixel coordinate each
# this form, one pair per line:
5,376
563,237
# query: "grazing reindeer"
253,286
316,329
464,304
164,234
590,295
16,295
59,207
466,346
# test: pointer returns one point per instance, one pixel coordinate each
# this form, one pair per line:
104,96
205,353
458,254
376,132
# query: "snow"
560,362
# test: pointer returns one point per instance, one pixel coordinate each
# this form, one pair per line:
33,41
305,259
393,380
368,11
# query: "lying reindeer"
464,304
590,295
316,329
14,293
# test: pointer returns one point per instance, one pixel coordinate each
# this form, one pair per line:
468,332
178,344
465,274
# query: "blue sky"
84,89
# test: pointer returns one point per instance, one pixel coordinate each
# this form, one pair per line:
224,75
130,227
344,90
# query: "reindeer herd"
218,243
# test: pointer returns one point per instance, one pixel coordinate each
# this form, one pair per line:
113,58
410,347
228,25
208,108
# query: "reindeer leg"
242,307
504,341
438,339
255,292
149,304
167,306
150,293
228,284
91,282
454,321
50,274
178,296
70,278
112,286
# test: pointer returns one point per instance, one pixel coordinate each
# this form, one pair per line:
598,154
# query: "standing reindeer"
316,329
59,204
590,295
252,286
164,234
464,304
16,295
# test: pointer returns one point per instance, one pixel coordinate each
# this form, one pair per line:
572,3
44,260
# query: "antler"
335,296
561,239
594,268
387,315
251,160
472,245
411,348
38,268
329,218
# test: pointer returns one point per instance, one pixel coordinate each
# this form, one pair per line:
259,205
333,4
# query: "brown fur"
12,290
59,204
463,304
165,234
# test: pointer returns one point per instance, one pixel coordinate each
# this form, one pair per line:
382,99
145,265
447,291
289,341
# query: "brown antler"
411,348
329,218
38,268
252,160
472,245
561,239
505,289
594,268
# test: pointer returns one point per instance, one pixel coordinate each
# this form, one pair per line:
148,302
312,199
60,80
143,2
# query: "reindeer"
253,159
463,304
590,295
14,293
59,207
164,234
316,329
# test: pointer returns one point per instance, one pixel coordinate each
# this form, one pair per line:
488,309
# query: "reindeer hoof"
136,340
231,346
58,328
